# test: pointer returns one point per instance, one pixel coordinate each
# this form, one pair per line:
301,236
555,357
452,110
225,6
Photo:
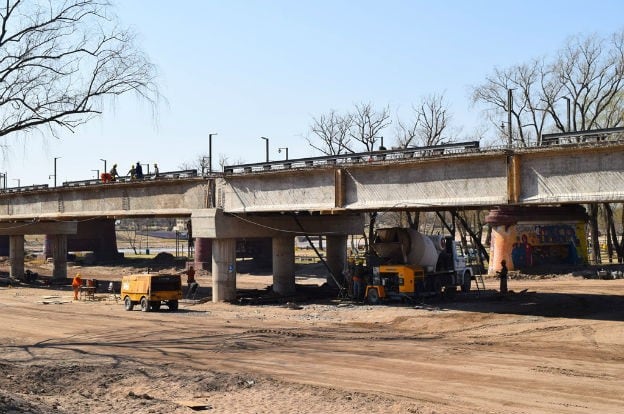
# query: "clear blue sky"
246,69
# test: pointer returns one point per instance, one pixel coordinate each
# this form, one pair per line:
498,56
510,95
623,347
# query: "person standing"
132,172
503,277
138,171
76,283
190,282
113,173
156,171
358,283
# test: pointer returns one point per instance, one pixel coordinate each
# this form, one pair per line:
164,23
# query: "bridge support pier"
203,253
284,265
336,258
59,256
16,256
223,270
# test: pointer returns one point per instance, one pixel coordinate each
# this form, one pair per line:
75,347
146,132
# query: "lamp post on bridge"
102,159
266,147
97,174
55,158
210,151
18,182
279,150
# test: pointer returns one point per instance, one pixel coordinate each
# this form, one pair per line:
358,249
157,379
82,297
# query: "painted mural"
546,244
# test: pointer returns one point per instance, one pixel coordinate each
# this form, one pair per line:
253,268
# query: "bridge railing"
25,188
168,175
355,158
596,136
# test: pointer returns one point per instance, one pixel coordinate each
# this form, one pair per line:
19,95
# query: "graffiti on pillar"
544,244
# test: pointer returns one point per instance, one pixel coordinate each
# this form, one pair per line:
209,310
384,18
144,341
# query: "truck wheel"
128,305
467,281
373,296
145,305
173,305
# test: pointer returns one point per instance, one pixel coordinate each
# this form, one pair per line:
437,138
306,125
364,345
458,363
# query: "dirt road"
557,348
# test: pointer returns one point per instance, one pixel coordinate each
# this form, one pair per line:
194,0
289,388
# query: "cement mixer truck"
411,264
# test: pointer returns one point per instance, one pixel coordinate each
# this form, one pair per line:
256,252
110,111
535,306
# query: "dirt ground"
557,347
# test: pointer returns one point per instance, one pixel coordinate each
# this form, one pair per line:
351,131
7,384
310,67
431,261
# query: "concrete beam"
214,224
62,227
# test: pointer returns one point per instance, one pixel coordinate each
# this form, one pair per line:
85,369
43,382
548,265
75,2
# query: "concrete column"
4,245
59,255
223,270
284,265
203,253
16,256
336,257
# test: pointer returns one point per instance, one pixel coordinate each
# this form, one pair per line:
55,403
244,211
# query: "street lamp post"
55,158
97,173
568,112
285,149
102,159
509,109
18,182
210,151
266,147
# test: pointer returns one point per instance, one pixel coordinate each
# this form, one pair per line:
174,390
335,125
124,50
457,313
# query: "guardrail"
355,158
596,135
168,175
25,188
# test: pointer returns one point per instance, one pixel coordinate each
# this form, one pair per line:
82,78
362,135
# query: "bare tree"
332,131
587,71
356,131
429,126
59,60
368,124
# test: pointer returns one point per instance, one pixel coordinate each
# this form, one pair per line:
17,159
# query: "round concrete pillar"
59,255
336,258
203,253
284,266
223,270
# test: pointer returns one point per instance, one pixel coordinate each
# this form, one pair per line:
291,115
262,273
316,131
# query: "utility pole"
568,112
210,152
55,158
266,147
509,109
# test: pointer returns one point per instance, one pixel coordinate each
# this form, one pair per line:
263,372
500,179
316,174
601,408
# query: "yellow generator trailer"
395,282
151,291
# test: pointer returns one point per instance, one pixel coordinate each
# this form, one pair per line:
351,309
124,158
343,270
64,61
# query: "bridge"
324,195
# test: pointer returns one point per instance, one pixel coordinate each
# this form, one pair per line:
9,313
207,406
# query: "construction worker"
138,171
156,171
113,173
358,282
76,283
132,172
190,281
503,277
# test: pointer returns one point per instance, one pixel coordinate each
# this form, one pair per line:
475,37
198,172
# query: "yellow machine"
395,281
150,291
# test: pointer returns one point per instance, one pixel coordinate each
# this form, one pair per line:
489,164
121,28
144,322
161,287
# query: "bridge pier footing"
223,270
284,265
16,256
336,258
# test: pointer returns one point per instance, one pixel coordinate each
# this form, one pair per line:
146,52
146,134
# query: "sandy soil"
556,348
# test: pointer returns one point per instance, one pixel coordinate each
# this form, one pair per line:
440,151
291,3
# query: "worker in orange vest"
76,283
